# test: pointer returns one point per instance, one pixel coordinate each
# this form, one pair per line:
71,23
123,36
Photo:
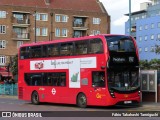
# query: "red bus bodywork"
96,96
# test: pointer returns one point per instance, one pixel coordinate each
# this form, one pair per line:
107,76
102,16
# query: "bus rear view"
123,70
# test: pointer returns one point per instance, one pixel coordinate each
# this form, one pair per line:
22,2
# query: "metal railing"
21,35
8,89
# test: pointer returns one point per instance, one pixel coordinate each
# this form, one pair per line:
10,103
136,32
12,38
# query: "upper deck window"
78,47
120,44
96,46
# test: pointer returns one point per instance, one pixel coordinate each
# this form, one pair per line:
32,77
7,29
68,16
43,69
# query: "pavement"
9,96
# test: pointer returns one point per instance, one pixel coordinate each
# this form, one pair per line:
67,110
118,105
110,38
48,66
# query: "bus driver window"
98,79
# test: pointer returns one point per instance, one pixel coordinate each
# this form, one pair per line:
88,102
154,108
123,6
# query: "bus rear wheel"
35,98
82,100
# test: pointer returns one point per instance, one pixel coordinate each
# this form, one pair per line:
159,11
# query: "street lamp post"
51,14
129,17
35,26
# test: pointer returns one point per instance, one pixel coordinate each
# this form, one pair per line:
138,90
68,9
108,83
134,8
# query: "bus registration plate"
127,102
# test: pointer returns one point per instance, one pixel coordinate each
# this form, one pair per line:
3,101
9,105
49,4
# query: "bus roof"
69,39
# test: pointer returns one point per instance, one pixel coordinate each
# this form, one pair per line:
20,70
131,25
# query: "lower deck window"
46,79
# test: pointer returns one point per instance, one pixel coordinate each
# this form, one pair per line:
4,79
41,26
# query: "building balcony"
80,26
21,36
20,22
79,33
133,28
80,23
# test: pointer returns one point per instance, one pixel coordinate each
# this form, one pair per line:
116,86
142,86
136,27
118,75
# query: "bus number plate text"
127,102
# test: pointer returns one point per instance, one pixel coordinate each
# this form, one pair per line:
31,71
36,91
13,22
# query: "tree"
153,64
14,65
144,64
157,49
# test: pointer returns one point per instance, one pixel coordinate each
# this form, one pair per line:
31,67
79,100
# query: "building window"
158,36
37,31
140,28
37,16
64,18
41,16
57,33
136,18
2,29
152,49
132,18
96,32
44,31
146,49
2,14
2,44
145,37
140,49
152,37
146,27
140,38
152,25
19,43
64,32
143,16
61,18
159,25
44,17
19,17
41,31
96,20
58,18
2,59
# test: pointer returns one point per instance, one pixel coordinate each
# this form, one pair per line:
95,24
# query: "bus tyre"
82,100
35,98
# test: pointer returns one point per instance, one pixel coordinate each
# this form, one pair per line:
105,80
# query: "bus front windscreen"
123,80
120,43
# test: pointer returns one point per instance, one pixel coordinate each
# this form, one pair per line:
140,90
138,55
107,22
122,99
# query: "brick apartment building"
55,19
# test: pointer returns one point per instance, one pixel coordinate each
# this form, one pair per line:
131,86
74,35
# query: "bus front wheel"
35,98
82,100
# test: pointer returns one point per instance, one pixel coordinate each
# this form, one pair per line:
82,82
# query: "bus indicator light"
126,96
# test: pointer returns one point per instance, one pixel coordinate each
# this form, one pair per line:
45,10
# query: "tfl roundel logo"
39,65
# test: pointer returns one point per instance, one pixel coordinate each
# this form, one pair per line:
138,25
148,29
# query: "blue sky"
116,9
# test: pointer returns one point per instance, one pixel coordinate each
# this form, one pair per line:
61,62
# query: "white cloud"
120,21
117,8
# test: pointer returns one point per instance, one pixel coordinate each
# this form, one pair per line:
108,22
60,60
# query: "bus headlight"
112,94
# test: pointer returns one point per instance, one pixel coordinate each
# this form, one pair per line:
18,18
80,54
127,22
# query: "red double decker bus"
97,70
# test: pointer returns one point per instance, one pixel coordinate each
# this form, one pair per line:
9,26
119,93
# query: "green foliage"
157,49
14,65
153,64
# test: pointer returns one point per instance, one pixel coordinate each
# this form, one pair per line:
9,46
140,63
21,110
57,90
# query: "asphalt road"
13,104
